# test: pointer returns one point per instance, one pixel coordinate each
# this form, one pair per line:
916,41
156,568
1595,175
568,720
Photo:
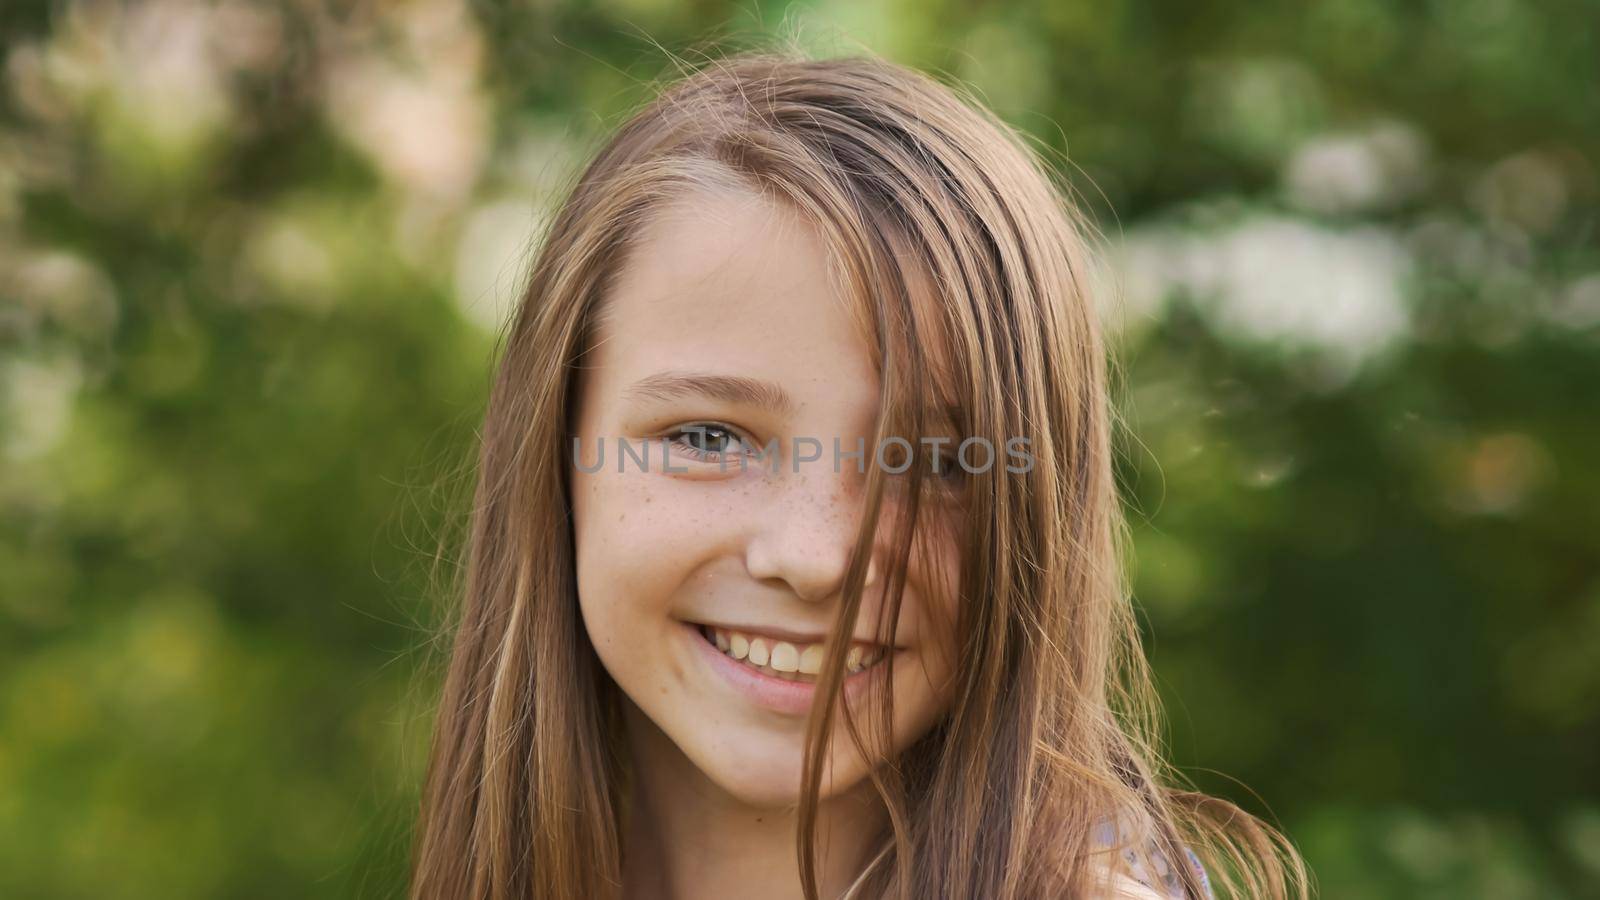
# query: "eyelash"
950,477
702,429
949,466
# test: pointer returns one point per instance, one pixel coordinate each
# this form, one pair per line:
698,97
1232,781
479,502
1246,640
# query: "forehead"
725,279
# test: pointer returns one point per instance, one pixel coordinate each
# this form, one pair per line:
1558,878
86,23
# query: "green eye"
708,440
942,472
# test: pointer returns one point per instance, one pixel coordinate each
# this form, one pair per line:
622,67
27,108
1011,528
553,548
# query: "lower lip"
791,698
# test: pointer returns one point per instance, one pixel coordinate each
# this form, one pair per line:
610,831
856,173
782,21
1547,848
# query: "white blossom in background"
542,161
417,111
153,71
1371,170
287,254
1277,279
1578,306
1528,192
58,286
37,395
1260,108
167,78
492,259
494,250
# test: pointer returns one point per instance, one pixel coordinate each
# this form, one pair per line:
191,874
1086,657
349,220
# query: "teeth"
785,660
811,660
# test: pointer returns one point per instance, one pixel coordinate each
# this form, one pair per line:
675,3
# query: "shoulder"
1140,869
1123,887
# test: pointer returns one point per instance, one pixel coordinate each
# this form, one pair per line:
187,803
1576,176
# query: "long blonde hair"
1052,730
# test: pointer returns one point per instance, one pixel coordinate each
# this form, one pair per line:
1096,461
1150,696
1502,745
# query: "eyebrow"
727,388
746,391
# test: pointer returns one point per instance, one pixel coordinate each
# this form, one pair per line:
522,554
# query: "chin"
767,777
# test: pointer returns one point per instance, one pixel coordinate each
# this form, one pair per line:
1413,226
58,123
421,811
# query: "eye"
941,468
945,465
708,440
945,472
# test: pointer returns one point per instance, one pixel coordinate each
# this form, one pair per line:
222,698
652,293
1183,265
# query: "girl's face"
707,587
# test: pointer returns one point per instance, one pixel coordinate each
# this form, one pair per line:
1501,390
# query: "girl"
748,607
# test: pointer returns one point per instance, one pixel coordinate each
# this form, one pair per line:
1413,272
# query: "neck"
689,838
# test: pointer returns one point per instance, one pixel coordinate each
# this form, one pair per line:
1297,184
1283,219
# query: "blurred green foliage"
253,258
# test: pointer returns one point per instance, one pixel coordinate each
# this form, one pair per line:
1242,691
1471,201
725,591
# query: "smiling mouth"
783,659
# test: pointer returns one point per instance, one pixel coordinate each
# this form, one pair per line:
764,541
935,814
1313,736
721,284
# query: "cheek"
640,539
935,570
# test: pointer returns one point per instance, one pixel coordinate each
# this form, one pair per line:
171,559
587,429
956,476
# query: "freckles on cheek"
645,534
621,506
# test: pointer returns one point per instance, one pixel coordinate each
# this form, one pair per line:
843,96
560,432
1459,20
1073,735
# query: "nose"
806,538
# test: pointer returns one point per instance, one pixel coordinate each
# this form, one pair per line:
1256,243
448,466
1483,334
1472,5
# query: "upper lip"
782,634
